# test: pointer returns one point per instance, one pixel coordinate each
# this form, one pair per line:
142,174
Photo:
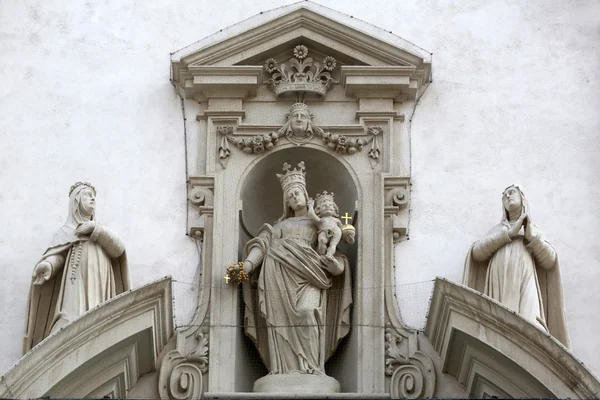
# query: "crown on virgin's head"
76,185
292,177
324,197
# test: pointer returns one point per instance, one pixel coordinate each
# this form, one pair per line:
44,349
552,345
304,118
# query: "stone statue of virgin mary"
84,266
300,308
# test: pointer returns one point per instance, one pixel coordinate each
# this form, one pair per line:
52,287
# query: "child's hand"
311,203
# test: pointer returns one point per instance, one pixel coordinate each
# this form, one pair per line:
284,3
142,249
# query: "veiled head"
511,199
514,202
82,203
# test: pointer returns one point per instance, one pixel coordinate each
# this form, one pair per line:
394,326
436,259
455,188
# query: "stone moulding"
221,82
397,82
129,330
457,311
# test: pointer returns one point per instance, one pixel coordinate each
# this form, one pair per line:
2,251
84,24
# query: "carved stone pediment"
233,57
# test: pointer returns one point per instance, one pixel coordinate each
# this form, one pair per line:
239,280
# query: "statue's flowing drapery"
298,313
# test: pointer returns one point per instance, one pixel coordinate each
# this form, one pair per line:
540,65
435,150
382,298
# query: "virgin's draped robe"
85,273
298,313
524,277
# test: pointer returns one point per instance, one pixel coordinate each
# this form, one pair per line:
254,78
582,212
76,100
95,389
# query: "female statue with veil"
521,271
300,309
84,266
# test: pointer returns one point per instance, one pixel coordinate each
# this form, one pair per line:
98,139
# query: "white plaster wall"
85,94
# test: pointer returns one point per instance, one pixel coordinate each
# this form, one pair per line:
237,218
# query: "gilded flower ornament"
300,52
329,63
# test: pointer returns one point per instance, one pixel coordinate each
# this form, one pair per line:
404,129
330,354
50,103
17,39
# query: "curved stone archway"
103,353
492,351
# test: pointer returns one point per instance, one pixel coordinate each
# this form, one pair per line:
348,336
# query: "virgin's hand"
514,230
331,264
41,273
248,267
528,230
85,228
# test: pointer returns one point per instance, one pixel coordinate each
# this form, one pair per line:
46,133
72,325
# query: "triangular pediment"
274,34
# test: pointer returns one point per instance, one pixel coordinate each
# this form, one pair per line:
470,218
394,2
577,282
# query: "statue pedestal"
296,383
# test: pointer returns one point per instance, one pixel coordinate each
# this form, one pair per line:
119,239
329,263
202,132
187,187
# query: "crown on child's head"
77,184
292,177
324,197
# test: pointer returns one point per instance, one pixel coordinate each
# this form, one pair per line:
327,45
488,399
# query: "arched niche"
262,202
262,198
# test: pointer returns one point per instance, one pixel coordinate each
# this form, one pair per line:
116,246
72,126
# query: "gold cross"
346,218
227,278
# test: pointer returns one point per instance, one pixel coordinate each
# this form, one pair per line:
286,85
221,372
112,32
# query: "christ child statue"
325,216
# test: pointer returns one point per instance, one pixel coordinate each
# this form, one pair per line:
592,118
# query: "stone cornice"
381,81
220,82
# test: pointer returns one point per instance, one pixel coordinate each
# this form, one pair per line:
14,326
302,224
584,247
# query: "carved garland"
180,376
257,144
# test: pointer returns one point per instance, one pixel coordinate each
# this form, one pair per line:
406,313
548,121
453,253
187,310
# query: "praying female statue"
521,271
300,309
84,266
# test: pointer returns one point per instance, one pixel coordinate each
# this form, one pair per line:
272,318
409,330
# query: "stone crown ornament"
292,177
77,184
300,74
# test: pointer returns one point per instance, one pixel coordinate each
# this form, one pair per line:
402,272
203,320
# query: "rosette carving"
180,376
412,377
